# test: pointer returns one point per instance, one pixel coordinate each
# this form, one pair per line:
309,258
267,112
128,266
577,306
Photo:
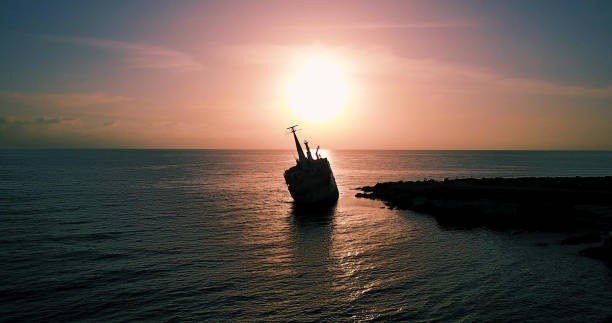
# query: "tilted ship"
311,181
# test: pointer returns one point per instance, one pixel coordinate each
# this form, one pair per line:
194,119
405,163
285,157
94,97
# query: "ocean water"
195,235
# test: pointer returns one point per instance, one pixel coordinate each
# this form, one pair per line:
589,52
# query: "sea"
212,235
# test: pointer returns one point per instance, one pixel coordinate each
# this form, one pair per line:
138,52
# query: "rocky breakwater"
570,204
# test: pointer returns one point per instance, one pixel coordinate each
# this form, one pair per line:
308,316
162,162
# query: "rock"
530,203
603,252
553,204
608,240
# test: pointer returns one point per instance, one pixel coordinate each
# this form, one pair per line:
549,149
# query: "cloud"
380,62
40,121
55,132
112,123
375,26
63,100
139,55
458,77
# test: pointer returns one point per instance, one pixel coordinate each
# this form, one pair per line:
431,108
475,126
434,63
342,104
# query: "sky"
214,74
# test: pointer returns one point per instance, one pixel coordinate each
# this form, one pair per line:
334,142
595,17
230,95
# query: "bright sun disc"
318,91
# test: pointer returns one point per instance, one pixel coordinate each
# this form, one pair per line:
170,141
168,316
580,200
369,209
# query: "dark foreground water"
211,235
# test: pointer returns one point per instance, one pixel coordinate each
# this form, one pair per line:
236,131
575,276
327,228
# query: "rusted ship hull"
312,183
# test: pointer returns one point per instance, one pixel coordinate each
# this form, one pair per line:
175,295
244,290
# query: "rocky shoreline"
581,205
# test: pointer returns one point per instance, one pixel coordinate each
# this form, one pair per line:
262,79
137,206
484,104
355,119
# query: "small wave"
35,211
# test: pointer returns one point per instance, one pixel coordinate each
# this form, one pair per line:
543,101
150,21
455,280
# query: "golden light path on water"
361,259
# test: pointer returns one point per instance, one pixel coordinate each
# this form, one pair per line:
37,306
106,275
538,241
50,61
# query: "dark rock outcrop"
590,237
603,252
571,204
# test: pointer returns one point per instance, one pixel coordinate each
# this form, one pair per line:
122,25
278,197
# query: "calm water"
197,235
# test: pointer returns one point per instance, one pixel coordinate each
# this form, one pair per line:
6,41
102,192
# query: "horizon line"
288,149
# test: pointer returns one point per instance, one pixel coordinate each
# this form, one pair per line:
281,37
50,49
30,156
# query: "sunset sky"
404,74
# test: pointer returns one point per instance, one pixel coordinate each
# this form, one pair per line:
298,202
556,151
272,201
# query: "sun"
318,91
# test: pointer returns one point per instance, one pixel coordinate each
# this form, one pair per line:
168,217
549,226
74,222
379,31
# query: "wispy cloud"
41,121
138,55
113,123
62,100
380,62
457,77
60,132
374,26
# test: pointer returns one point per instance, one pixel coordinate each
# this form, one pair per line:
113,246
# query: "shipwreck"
311,181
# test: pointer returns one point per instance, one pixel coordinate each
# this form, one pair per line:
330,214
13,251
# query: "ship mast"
302,158
308,154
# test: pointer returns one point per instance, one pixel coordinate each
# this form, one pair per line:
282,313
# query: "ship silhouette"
311,181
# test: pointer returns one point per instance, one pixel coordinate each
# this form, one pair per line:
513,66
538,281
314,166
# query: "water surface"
205,234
